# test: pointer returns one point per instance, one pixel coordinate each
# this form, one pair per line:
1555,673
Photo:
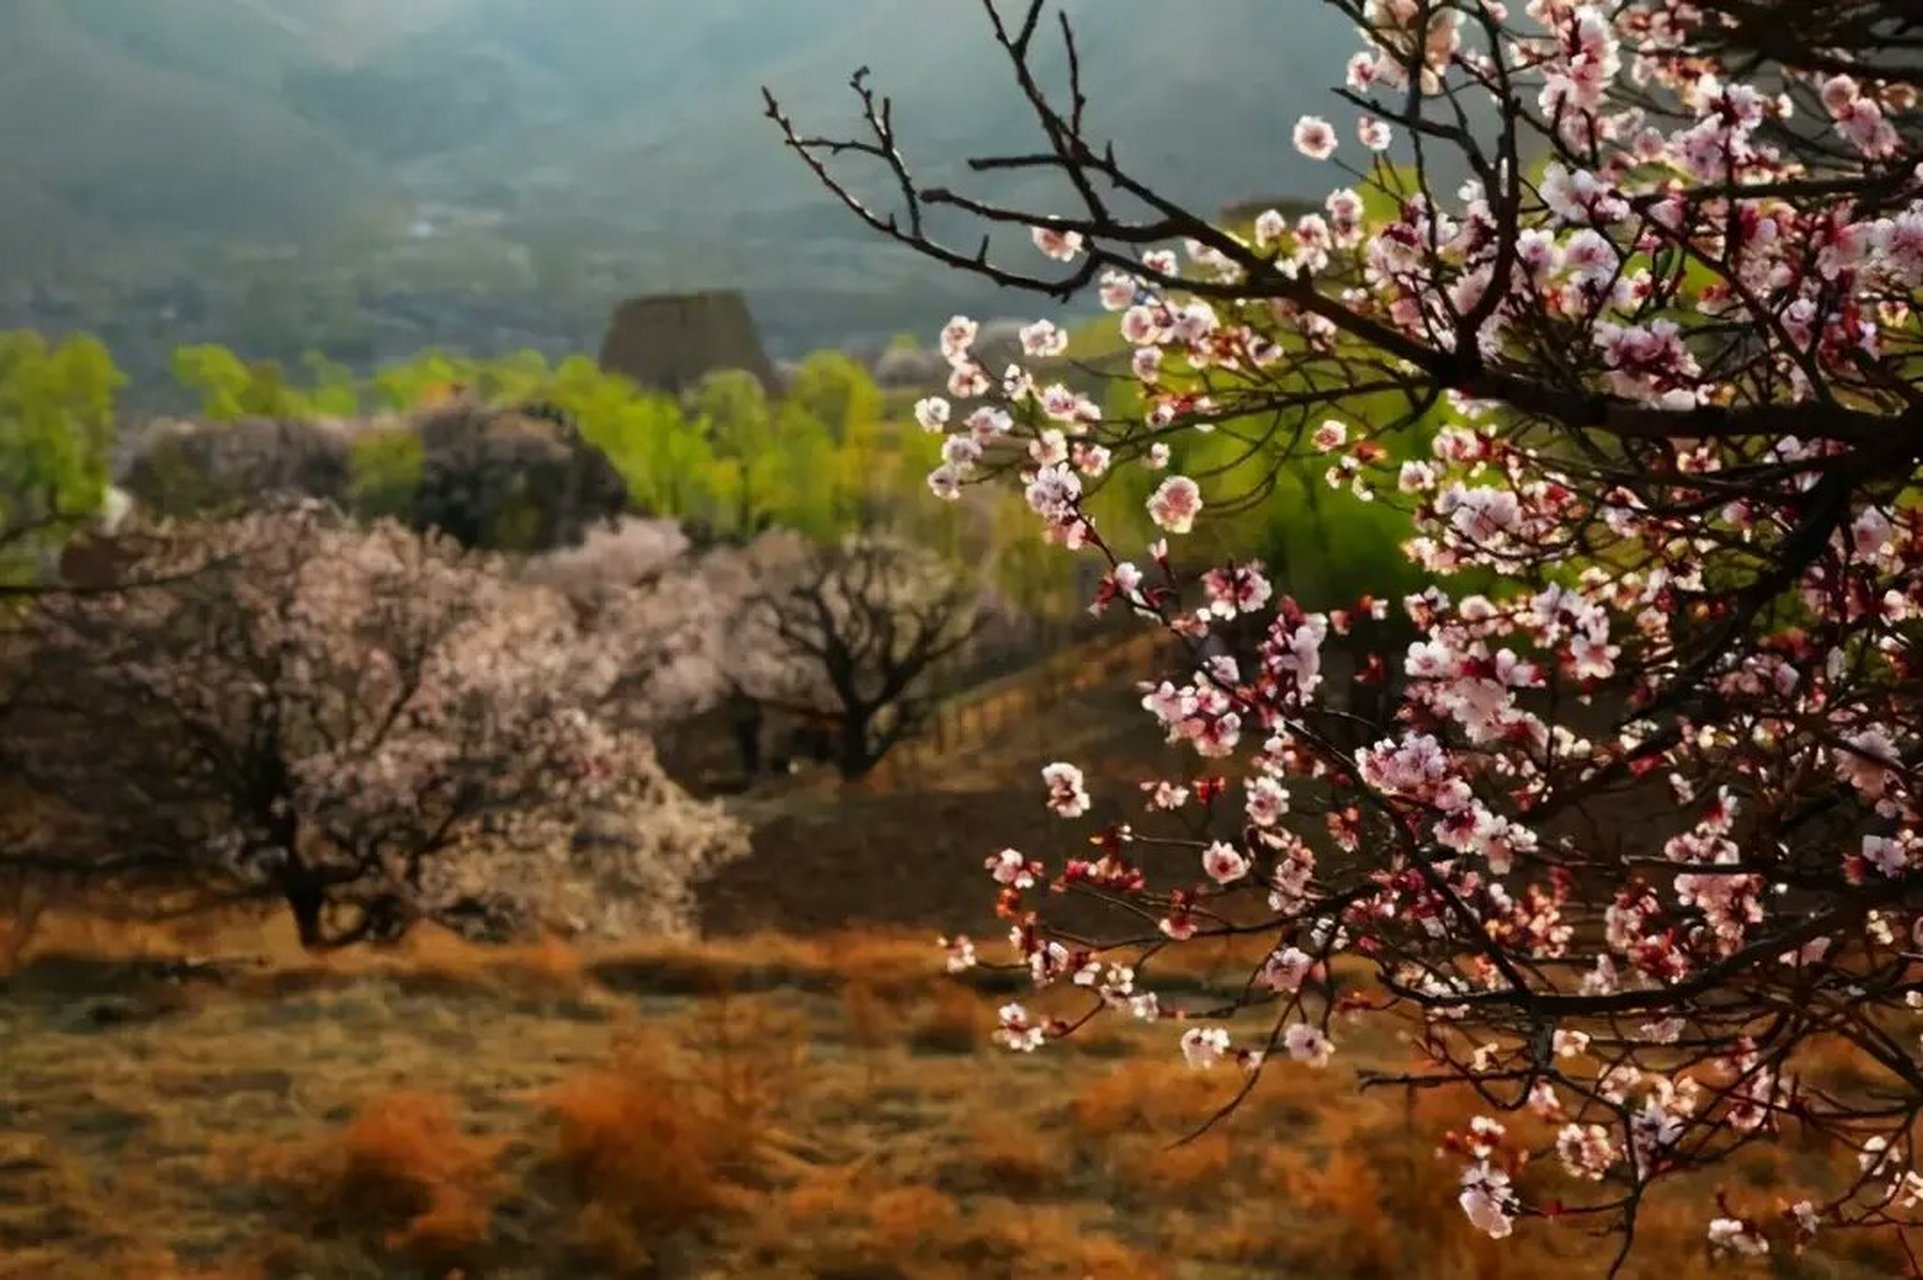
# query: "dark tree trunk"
856,758
747,734
307,899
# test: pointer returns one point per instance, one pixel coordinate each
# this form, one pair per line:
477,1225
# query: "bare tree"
859,631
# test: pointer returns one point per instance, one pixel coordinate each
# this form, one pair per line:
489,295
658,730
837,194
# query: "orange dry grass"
907,1219
406,1164
40,930
651,1150
716,1146
871,1019
1192,1173
639,1147
893,963
1054,1242
953,1019
1010,1157
1156,1096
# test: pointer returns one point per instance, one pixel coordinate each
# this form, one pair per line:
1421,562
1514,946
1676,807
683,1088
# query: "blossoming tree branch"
1617,302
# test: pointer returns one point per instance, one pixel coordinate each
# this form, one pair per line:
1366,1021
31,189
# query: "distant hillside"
583,150
113,136
1163,77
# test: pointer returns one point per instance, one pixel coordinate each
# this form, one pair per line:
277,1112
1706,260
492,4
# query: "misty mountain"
617,142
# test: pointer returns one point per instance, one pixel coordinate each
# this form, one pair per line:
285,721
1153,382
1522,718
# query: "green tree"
336,392
230,388
733,411
665,459
56,427
384,472
403,387
836,391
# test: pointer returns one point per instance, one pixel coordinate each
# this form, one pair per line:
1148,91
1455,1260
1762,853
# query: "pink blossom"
1063,246
957,337
1017,1032
1175,504
932,413
1067,797
1224,863
1314,138
1307,1044
1285,970
1203,1047
1487,1200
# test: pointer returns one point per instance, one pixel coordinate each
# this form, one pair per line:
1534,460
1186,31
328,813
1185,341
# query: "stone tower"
671,341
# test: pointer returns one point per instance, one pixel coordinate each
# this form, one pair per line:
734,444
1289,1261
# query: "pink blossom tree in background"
1617,301
657,609
365,726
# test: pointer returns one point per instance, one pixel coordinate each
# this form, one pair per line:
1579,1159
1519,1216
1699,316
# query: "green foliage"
428,376
56,426
230,389
732,410
384,469
832,457
337,392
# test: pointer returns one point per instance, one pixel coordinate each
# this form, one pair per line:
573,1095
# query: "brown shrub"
953,1020
661,1139
1189,1173
824,1193
1050,1242
1010,1158
640,1150
893,964
909,1220
870,1018
404,1165
547,963
1339,1202
752,1055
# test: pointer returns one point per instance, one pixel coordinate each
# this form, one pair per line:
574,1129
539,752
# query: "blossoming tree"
369,727
1617,302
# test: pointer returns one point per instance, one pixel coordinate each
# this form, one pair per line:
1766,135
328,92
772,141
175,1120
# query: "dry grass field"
778,1107
803,1096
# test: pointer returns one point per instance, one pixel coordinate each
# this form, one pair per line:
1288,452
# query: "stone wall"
670,342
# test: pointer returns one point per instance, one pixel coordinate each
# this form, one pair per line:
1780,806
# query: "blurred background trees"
745,579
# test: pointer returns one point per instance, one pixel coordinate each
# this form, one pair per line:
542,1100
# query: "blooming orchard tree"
368,726
656,609
1618,302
